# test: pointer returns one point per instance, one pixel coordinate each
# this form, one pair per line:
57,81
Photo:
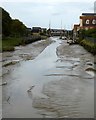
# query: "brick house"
88,21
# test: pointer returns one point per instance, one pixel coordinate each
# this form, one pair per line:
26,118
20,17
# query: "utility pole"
49,30
61,30
61,24
49,24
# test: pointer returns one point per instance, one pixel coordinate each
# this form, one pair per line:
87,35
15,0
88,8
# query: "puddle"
91,73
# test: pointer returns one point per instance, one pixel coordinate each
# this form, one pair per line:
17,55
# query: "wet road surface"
62,85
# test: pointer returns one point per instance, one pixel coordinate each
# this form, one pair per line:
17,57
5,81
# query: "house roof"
89,14
36,28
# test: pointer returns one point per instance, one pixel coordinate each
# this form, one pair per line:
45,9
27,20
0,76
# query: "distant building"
36,29
76,30
88,21
76,27
56,32
43,29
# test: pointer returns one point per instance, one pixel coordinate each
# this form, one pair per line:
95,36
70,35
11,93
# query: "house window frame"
87,21
93,21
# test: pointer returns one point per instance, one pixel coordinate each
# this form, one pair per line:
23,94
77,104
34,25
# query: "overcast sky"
40,12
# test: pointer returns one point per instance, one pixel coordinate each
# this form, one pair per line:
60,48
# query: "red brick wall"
88,21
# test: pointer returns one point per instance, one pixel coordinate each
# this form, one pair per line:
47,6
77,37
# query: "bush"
88,45
87,33
8,43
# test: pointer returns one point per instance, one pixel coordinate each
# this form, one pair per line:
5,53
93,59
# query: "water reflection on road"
62,87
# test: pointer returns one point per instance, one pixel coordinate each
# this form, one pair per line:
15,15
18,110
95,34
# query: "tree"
6,23
12,27
18,28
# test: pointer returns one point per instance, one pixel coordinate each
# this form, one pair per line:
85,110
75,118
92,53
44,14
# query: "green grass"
43,37
88,45
9,43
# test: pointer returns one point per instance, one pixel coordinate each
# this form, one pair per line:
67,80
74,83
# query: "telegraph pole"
61,30
49,30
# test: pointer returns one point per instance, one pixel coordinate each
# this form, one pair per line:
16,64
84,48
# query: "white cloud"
47,1
39,12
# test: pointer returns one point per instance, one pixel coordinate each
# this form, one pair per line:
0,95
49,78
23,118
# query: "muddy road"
62,76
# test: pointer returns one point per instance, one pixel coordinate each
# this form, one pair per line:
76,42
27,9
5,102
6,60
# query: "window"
93,21
87,21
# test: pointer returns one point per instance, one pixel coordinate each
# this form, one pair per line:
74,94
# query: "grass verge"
9,43
89,46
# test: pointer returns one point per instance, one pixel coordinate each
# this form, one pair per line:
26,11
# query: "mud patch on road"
65,98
